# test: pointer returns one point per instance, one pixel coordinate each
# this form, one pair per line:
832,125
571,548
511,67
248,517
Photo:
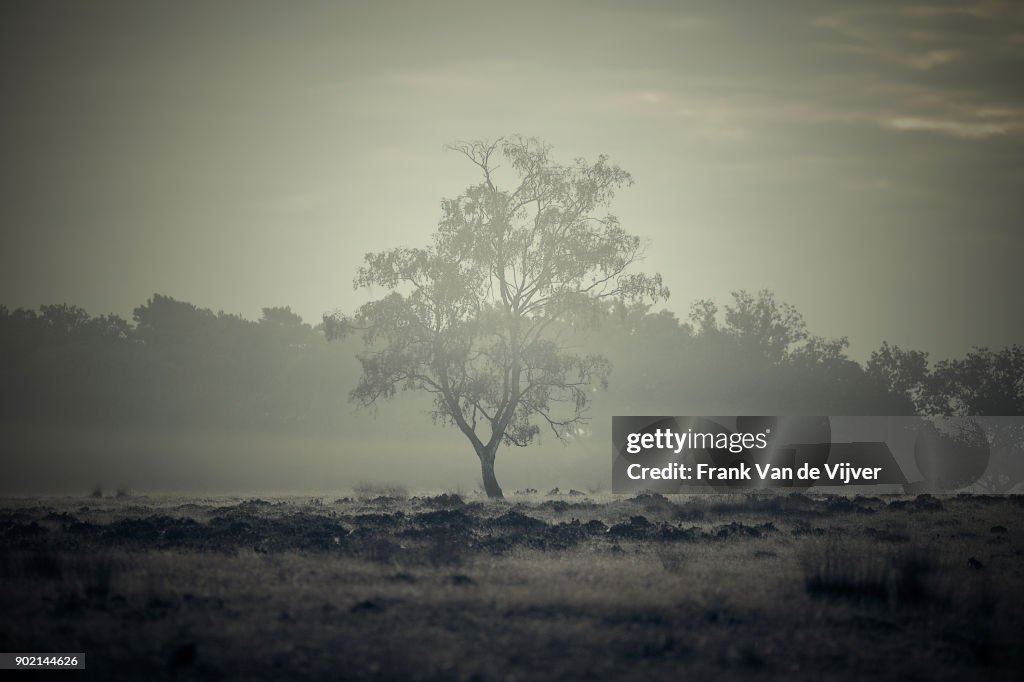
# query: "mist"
184,400
863,162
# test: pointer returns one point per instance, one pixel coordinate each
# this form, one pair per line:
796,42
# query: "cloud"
965,129
944,69
927,37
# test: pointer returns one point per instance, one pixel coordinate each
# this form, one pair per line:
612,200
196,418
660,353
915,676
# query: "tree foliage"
483,319
987,383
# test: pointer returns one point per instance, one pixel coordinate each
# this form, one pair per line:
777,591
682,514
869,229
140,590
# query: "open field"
553,586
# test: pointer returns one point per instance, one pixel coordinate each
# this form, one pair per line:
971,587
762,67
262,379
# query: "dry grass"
473,592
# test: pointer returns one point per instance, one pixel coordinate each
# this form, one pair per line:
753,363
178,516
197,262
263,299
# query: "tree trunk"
491,486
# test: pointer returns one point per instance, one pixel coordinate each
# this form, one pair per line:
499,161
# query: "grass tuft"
900,579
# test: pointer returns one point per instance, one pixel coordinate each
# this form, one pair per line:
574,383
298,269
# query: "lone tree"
484,317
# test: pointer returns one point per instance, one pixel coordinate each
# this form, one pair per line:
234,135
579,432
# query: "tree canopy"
484,317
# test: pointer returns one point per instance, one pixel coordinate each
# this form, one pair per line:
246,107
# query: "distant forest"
179,366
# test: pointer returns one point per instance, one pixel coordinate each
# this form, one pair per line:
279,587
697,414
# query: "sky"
862,160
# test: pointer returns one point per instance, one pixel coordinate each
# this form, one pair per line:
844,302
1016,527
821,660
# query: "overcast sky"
864,161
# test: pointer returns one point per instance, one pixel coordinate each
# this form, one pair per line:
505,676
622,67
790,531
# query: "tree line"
174,366
177,365
755,355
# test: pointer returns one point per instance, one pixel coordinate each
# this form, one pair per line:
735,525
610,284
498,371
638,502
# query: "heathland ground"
387,584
